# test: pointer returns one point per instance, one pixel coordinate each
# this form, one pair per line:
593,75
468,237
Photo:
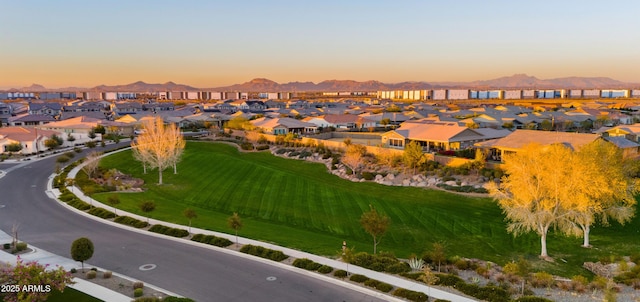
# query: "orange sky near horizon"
211,44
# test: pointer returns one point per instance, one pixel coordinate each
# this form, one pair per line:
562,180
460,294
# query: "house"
252,106
437,136
341,121
5,114
159,107
520,138
31,139
122,108
630,149
630,132
50,108
283,125
78,128
30,120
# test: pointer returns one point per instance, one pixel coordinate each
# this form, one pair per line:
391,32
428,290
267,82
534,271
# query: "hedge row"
380,263
410,295
487,293
102,213
130,221
79,204
263,252
165,230
379,285
212,240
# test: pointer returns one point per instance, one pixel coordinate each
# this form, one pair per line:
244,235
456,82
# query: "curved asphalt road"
198,273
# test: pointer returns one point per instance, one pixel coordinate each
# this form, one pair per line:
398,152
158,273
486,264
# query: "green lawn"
300,205
71,294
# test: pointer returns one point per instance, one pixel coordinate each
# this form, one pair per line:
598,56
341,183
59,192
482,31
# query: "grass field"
71,294
300,205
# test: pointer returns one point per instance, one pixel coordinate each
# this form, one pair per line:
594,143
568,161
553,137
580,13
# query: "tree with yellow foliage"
605,191
553,186
354,156
158,146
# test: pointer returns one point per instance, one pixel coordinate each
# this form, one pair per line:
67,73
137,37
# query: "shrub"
448,279
163,229
62,159
212,240
368,176
487,293
138,292
262,147
6,246
66,197
126,220
542,279
21,246
412,276
107,274
91,274
381,286
384,287
306,264
73,271
102,213
138,284
325,269
263,252
410,295
397,268
358,278
340,273
246,146
79,204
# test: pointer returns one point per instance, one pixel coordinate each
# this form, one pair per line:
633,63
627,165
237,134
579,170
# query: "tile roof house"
31,139
341,121
520,138
437,136
50,108
30,119
78,127
283,125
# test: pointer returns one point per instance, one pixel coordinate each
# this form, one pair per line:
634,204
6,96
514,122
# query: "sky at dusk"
218,43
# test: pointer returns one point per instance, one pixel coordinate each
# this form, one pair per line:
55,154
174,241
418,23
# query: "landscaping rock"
406,182
451,183
422,184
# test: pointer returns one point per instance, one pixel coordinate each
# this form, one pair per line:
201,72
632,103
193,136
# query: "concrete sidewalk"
387,278
45,258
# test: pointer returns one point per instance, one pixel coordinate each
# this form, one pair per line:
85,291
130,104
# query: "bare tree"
91,163
159,146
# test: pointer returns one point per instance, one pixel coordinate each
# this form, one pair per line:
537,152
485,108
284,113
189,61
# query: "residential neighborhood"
436,126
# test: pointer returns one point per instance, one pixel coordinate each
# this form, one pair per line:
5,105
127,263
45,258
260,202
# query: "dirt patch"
117,284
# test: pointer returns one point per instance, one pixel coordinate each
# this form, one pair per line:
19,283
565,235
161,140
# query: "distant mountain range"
518,81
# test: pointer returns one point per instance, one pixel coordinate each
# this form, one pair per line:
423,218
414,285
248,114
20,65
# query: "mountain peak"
261,81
